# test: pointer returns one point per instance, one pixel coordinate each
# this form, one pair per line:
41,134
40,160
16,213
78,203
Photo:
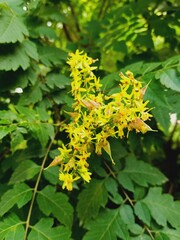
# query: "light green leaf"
26,170
170,79
108,225
20,195
12,28
142,173
143,213
90,200
161,236
5,130
142,237
172,233
17,141
43,230
168,210
56,203
11,228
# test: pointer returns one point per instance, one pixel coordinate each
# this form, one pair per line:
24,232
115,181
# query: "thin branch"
35,190
149,232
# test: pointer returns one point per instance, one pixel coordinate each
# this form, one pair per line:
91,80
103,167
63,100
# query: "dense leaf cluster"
136,198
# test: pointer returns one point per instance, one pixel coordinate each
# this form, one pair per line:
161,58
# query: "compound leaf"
26,170
11,228
43,230
20,195
12,28
108,225
90,200
56,203
168,210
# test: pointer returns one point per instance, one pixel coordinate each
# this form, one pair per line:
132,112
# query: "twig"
35,190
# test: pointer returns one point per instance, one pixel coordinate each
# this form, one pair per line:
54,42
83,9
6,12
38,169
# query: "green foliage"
136,198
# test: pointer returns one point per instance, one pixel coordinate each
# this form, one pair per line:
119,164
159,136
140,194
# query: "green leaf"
5,130
42,131
172,233
126,181
143,213
170,79
112,187
11,228
108,225
50,56
142,173
17,141
43,230
26,170
90,200
31,49
12,28
20,195
13,56
56,203
127,215
162,116
168,210
57,80
142,237
161,236
51,174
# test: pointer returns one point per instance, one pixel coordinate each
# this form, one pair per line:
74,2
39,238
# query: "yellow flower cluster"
96,117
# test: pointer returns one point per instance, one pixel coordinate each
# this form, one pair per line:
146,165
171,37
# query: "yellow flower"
67,180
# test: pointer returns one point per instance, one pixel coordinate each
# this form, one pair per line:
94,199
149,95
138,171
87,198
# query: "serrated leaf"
11,228
108,225
57,80
126,181
31,49
50,56
170,79
173,234
26,170
12,28
112,187
20,195
43,230
56,203
90,200
143,173
13,56
127,215
168,210
143,213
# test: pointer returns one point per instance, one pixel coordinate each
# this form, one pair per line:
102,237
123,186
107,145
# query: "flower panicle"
112,115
